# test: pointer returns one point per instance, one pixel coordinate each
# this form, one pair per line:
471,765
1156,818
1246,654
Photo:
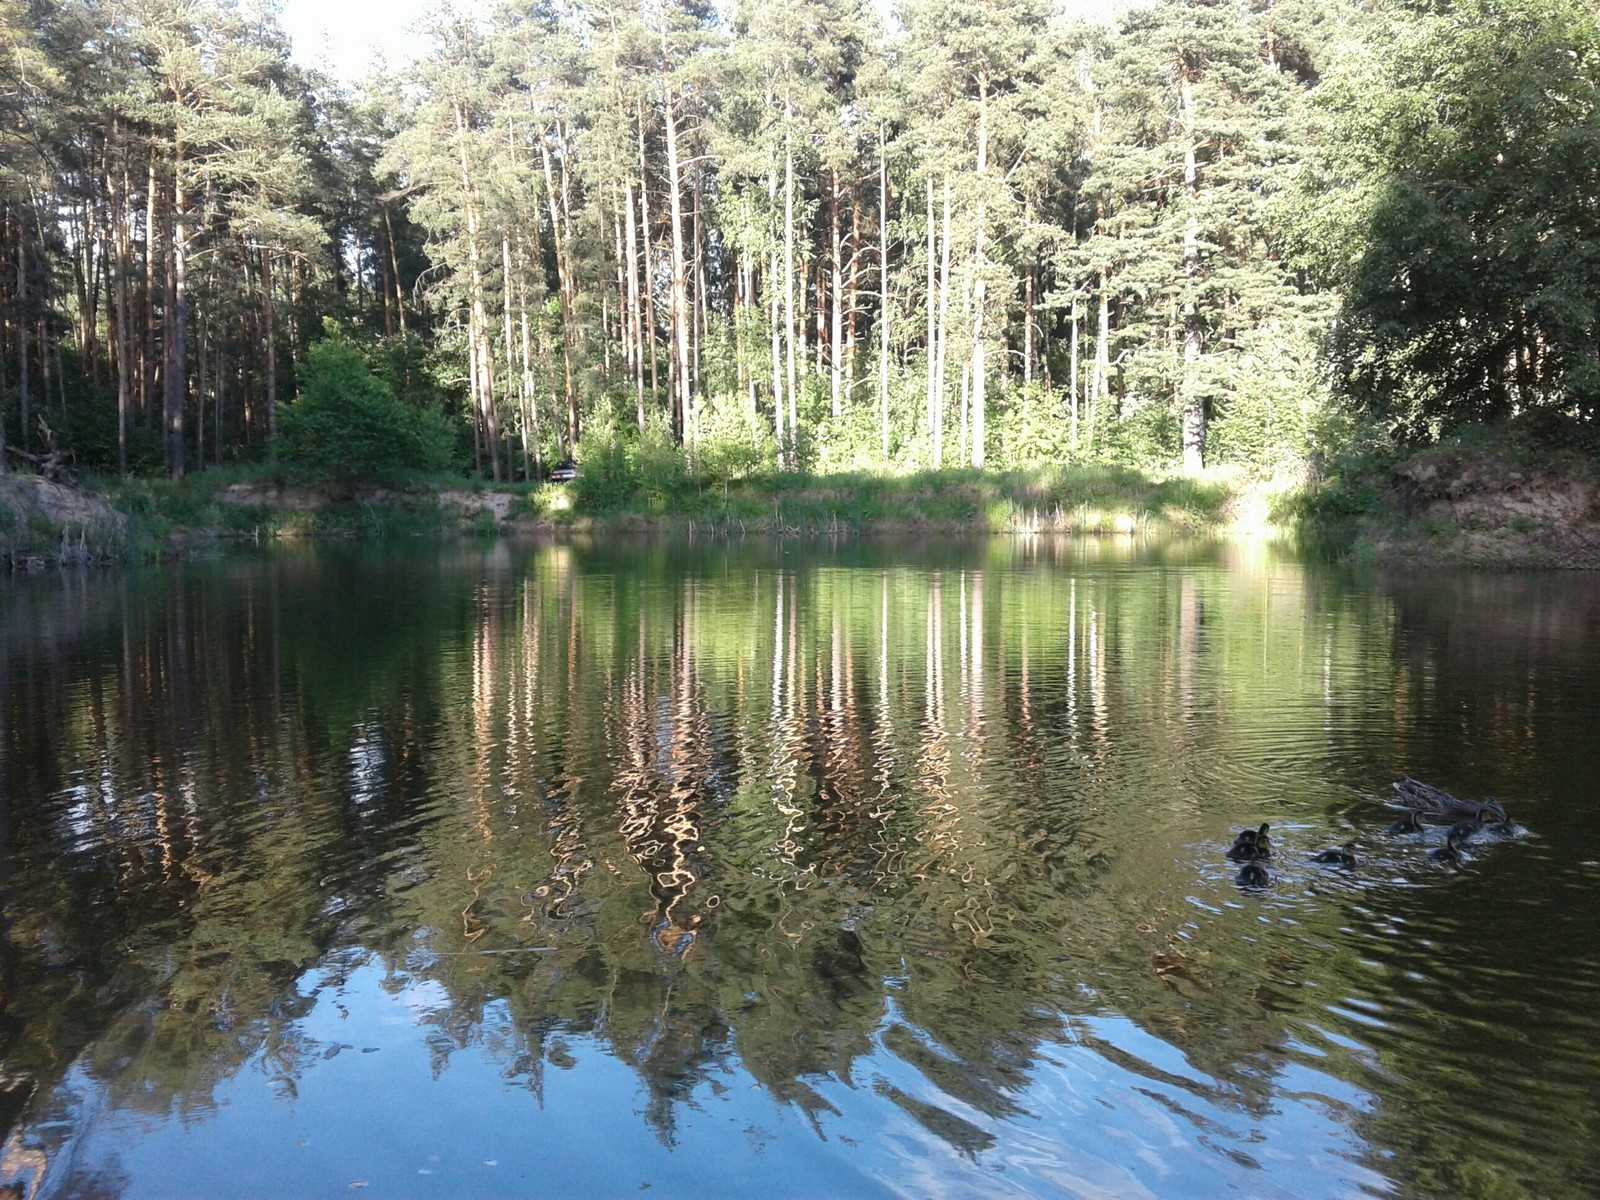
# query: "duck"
1253,874
1450,852
1343,856
1426,802
1251,844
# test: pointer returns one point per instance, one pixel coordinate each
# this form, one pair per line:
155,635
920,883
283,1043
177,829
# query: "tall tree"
1454,209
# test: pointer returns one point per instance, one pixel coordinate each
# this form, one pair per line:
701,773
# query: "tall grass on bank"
165,516
1057,499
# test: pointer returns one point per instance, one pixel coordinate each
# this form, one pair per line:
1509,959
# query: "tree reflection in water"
869,832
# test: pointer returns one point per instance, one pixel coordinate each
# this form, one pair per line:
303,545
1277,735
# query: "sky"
344,34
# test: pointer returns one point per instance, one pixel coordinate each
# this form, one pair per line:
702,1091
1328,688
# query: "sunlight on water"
813,870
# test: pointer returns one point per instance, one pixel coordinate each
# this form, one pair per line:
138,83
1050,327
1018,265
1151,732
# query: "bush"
347,423
735,444
608,465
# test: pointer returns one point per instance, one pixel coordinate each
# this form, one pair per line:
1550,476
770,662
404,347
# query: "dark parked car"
564,471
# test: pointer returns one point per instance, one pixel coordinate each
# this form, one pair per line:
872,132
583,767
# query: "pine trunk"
218,375
979,286
152,245
477,323
635,323
5,325
1194,405
822,317
681,317
934,418
883,293
120,237
1027,328
200,396
270,337
394,270
649,257
1102,355
788,282
836,292
775,332
178,317
473,391
513,377
944,327
565,286
852,298
23,389
1072,374
529,405
698,314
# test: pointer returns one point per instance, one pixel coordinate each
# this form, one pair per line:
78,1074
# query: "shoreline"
1446,507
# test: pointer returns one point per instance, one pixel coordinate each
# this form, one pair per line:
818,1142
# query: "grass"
160,510
1362,505
167,516
1056,499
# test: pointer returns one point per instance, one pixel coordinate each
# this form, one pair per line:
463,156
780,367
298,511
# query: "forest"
706,242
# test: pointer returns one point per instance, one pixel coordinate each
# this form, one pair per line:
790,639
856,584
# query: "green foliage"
608,464
413,371
1454,212
736,444
346,422
622,466
659,469
849,442
1032,429
1143,434
1219,179
1276,401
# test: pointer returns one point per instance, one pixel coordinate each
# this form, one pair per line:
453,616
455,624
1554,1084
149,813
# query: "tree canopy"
805,234
1459,215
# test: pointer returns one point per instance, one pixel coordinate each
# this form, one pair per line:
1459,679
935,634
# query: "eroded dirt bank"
43,523
1459,507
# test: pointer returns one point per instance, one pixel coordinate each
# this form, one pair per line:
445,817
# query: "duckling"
1450,852
1410,823
1253,875
1464,830
1344,856
1251,844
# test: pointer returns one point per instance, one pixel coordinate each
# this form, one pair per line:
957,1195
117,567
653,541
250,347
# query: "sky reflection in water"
378,1102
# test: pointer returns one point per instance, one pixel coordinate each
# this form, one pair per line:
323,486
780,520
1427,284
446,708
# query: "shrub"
607,459
734,444
347,423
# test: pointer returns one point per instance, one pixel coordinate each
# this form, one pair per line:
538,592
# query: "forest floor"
1455,505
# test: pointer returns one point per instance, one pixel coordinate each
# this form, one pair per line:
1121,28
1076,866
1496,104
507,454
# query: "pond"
807,869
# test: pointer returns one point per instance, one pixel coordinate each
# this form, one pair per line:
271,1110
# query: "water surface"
811,870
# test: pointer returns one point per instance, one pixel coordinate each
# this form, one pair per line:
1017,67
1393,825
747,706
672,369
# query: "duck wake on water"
1423,805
